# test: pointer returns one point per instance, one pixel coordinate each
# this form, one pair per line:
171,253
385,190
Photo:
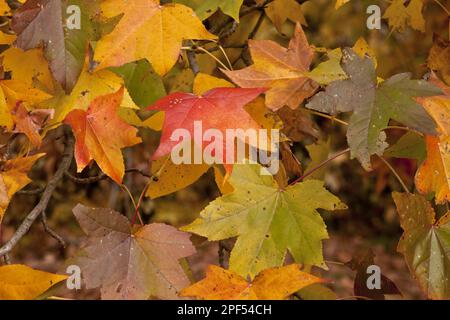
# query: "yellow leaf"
399,16
439,58
18,91
88,87
19,282
170,177
279,11
204,82
340,3
147,30
5,113
7,39
270,284
13,177
4,8
362,48
35,70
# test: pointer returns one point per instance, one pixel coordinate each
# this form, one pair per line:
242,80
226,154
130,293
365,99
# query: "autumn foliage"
92,93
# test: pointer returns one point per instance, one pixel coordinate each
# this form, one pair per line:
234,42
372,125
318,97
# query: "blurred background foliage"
370,221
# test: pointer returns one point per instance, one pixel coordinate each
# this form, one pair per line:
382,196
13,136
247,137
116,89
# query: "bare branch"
46,196
193,62
50,231
102,176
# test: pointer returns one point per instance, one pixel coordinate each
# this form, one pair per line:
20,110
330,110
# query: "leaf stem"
443,7
337,155
395,173
212,56
125,188
324,115
136,212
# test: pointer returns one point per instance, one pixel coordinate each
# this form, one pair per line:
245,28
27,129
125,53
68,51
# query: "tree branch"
102,176
50,231
46,196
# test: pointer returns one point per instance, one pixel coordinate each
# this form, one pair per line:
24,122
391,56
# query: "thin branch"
31,192
310,172
257,25
443,7
102,176
50,231
395,174
46,196
193,62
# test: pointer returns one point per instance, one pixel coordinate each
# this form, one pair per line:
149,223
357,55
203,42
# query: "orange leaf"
25,124
101,134
434,173
280,69
270,284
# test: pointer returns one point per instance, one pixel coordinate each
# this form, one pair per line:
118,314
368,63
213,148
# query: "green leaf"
204,9
329,70
425,243
410,146
374,105
142,82
267,221
317,291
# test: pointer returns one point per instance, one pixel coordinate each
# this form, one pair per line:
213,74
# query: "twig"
46,196
136,212
395,174
222,249
193,62
50,231
257,25
88,180
101,176
31,192
320,166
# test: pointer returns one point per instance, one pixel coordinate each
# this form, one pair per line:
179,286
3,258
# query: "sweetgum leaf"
130,262
270,284
425,243
267,221
43,23
374,105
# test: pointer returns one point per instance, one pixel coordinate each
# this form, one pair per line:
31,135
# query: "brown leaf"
131,262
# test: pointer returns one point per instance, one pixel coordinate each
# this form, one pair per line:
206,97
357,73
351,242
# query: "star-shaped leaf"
13,177
131,262
270,284
279,11
399,16
101,134
282,70
19,282
147,22
425,244
434,173
45,23
268,221
219,108
374,105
